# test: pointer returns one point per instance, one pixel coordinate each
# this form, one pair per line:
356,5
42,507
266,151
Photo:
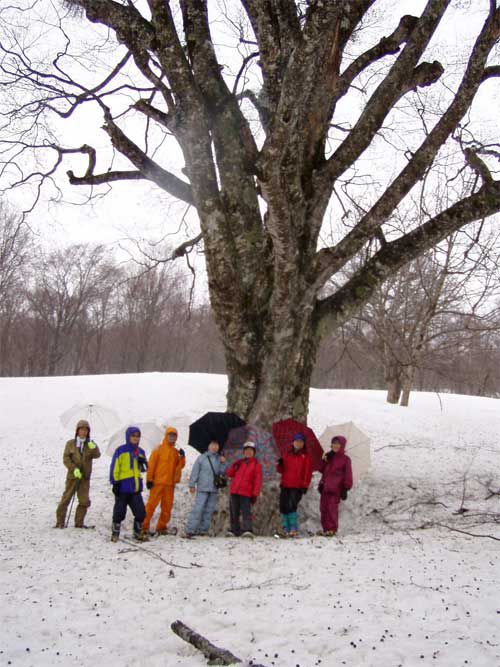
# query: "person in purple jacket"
335,482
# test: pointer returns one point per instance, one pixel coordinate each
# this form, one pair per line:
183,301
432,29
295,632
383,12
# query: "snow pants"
201,514
329,509
136,504
163,495
289,502
81,488
240,505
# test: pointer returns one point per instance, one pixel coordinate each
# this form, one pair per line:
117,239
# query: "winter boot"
285,525
293,523
139,533
248,533
115,532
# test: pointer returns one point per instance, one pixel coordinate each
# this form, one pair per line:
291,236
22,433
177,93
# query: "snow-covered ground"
388,591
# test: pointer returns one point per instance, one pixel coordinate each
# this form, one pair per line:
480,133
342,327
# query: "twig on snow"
278,581
155,555
464,532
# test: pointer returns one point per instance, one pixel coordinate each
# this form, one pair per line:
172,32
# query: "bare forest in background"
78,310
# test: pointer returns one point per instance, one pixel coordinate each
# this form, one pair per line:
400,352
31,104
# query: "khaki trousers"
81,488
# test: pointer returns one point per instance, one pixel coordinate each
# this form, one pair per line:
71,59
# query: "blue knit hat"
299,436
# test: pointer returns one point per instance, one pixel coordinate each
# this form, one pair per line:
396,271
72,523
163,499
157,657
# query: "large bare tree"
262,134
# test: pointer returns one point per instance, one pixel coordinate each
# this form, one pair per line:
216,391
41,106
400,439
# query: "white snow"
386,592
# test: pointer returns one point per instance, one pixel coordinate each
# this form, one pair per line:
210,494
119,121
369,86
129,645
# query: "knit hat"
340,439
299,436
249,444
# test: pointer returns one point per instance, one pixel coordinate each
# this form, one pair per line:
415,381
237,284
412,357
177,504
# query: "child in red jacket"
334,485
295,468
245,487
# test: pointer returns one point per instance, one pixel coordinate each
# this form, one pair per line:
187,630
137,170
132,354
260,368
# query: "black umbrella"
212,426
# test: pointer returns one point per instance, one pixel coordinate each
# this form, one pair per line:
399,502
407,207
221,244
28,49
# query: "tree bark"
274,380
407,384
393,380
214,654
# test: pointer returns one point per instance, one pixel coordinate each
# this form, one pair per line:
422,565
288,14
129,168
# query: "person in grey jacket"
201,482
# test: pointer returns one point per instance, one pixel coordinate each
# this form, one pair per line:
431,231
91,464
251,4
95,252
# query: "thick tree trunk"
393,381
407,385
275,384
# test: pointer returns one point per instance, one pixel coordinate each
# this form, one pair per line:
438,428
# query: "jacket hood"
129,431
343,442
82,423
169,429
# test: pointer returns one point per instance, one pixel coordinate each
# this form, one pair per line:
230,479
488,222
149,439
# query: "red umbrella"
283,432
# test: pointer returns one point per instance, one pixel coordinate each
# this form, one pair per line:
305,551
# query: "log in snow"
214,654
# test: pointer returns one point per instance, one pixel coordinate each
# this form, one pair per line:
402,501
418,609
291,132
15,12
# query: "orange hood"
165,463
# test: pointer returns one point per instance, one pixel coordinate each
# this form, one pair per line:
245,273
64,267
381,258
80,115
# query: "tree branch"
478,165
396,84
387,46
330,260
185,247
336,309
150,169
277,30
490,72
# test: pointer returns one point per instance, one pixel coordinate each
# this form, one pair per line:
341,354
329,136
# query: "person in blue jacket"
127,464
205,468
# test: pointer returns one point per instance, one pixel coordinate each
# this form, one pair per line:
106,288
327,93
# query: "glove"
280,461
77,473
91,444
149,485
253,500
182,452
142,463
343,495
115,489
304,491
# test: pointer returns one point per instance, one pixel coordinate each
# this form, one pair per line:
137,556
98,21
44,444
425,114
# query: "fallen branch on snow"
155,555
464,532
214,654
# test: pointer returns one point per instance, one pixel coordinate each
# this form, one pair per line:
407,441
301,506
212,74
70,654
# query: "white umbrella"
357,448
102,420
151,436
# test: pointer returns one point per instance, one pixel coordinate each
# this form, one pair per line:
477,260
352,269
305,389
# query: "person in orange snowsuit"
164,472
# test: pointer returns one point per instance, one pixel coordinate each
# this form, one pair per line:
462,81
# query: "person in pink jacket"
335,482
246,483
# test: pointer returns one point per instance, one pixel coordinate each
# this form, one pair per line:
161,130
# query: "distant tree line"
78,310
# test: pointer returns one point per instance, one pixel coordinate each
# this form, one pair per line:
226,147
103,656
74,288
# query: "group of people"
210,473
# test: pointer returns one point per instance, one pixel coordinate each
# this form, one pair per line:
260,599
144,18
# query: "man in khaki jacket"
78,456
